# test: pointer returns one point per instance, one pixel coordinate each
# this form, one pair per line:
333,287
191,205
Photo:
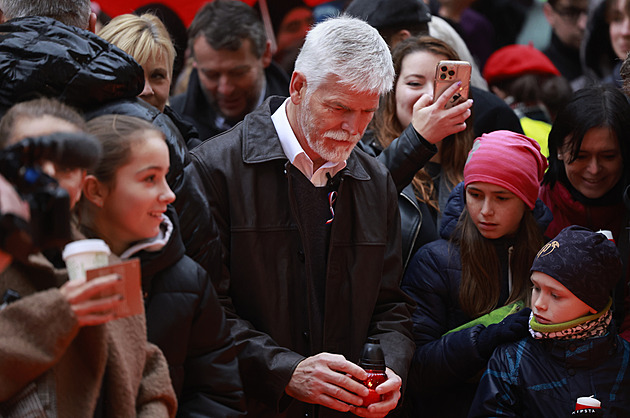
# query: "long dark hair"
386,126
592,107
480,285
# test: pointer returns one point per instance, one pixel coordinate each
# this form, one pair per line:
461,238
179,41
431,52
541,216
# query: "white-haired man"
311,234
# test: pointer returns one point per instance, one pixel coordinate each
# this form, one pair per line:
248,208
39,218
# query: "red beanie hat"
514,60
509,160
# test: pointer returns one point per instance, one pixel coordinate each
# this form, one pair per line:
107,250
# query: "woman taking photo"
415,61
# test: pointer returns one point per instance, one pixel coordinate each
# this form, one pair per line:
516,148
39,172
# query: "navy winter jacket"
544,378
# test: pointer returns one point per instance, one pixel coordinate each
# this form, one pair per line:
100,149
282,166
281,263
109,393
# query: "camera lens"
444,68
443,76
451,73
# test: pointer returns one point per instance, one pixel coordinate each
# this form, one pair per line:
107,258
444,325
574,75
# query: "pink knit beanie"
509,160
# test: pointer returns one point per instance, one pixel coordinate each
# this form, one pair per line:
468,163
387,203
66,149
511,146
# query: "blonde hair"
142,37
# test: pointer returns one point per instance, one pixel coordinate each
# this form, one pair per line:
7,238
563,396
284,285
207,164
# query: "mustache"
339,135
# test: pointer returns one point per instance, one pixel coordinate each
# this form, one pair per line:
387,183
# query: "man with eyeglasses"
567,19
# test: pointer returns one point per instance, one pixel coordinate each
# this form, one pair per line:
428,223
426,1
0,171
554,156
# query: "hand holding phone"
449,72
434,119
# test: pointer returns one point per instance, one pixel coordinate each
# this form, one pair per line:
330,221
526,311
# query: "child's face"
133,207
495,210
553,303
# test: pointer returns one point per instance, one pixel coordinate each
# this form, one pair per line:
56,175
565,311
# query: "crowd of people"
290,201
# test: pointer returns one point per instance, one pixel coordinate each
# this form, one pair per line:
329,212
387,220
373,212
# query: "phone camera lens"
451,73
443,76
444,68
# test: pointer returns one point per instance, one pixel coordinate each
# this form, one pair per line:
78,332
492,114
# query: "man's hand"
87,301
390,389
327,379
434,122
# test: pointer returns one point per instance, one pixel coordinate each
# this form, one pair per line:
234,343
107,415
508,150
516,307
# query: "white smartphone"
449,72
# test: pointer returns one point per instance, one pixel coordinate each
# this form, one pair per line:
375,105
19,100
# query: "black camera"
49,204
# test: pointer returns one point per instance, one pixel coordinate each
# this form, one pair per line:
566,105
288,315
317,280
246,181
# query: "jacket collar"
582,353
261,143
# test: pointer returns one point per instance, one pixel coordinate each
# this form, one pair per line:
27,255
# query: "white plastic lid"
85,246
589,401
606,233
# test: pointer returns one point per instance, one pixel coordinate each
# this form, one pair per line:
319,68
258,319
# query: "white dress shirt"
295,153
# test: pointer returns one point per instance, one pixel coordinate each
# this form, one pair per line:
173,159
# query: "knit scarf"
582,328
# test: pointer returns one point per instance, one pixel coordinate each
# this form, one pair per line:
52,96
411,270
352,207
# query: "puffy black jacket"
185,319
445,367
40,56
264,288
544,378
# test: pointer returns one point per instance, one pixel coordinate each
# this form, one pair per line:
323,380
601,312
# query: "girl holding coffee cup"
126,202
61,352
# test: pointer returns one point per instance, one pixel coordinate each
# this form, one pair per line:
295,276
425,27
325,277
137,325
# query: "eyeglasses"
571,13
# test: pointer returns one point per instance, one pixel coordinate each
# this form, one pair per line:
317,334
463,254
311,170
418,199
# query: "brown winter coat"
43,351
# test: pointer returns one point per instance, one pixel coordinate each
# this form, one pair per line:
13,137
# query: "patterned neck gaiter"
581,328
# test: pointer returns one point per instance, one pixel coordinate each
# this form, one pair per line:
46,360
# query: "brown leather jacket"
244,172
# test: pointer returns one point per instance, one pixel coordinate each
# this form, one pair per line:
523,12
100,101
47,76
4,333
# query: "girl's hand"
435,123
94,301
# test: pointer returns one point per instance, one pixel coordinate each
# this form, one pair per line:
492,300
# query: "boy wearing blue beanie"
573,351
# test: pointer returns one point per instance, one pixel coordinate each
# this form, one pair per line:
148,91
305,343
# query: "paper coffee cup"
85,255
587,402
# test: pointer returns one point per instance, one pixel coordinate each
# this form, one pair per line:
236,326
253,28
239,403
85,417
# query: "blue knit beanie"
585,262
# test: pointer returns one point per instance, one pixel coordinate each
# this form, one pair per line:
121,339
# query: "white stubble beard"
335,155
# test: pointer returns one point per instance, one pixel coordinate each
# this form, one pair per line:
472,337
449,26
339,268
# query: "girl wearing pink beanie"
491,233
